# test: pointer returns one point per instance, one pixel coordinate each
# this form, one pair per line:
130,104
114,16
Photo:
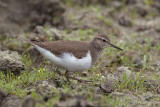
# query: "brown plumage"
77,48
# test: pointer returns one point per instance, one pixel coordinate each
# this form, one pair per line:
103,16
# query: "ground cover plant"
121,78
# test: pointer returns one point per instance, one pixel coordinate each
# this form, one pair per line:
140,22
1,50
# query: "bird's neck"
95,53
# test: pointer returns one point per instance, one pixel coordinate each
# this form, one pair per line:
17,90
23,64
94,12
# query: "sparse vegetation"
138,85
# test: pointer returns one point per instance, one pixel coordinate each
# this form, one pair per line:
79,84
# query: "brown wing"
78,48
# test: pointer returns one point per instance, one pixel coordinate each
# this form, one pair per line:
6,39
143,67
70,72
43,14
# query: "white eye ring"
104,40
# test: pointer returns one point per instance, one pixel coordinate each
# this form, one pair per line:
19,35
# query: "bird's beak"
115,46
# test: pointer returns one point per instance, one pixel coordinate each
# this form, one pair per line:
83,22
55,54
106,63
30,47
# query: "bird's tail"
24,40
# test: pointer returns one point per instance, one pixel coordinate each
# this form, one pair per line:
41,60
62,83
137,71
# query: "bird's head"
102,41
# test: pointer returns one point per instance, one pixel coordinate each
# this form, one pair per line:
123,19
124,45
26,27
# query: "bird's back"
78,48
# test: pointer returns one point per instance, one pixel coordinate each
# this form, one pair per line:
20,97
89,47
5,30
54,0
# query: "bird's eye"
104,40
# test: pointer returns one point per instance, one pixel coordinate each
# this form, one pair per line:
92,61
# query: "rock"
45,88
84,74
151,85
28,102
54,33
10,101
142,10
3,95
74,102
125,21
39,34
109,85
11,61
2,48
111,79
121,71
7,100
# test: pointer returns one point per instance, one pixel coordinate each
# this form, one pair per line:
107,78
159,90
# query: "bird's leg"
57,70
67,76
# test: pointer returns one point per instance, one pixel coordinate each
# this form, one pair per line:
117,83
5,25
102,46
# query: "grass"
20,85
27,82
108,22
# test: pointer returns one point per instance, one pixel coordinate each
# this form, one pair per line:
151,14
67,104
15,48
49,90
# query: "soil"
7,100
48,20
26,15
11,61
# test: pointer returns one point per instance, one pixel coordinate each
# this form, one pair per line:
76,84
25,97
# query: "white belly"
67,60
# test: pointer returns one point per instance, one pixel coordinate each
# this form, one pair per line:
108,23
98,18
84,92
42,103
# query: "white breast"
67,60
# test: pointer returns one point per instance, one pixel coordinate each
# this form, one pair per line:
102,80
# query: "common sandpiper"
73,56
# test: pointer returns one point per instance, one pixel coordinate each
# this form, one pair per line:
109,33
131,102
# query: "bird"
73,56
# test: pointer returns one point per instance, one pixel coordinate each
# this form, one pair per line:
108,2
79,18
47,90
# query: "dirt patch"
11,61
28,102
137,99
112,79
7,100
134,25
74,102
81,19
3,94
22,14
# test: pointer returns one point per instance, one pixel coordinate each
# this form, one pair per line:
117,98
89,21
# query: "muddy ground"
128,78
